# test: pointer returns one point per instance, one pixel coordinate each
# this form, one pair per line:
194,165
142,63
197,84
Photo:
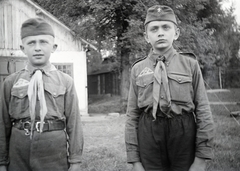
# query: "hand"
3,168
137,166
198,165
74,167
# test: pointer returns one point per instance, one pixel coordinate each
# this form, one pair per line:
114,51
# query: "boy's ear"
54,47
177,33
22,48
146,37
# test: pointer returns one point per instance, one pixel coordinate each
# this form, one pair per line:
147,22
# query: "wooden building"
103,82
69,57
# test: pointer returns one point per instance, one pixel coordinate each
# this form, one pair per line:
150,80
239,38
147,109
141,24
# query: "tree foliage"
206,29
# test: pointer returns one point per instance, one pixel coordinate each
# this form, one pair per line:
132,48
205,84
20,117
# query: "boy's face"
38,49
161,34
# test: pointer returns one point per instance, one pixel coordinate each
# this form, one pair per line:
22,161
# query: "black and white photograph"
119,85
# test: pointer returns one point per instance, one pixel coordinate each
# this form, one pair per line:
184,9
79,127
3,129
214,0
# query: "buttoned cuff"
75,159
204,153
133,156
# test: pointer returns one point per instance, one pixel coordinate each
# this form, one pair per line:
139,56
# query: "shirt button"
21,94
54,94
179,79
161,97
145,84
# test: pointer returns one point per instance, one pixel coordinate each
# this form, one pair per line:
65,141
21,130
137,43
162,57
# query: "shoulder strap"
188,54
138,60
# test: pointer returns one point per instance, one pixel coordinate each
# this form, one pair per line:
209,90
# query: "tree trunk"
125,76
124,86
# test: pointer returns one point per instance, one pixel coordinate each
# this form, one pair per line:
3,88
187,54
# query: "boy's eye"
166,27
31,43
154,29
43,42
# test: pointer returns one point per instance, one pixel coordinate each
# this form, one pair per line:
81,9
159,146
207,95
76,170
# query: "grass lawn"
227,140
104,148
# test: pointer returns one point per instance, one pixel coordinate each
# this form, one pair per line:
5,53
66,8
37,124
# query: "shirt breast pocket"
145,88
55,98
180,87
54,90
19,101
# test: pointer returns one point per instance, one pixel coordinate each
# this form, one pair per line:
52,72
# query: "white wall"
78,59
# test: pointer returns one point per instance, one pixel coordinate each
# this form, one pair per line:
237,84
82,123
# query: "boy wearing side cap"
169,123
40,125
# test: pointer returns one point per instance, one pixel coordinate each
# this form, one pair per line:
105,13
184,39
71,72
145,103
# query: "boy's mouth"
38,55
161,41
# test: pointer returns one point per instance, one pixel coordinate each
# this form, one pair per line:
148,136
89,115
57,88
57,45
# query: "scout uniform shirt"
187,95
61,101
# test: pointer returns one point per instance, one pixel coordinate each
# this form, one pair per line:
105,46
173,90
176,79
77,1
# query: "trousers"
46,151
167,144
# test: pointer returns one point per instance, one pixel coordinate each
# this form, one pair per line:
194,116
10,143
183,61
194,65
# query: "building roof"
102,71
14,12
39,9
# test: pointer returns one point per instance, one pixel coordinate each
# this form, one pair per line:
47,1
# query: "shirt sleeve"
131,127
5,122
204,120
73,124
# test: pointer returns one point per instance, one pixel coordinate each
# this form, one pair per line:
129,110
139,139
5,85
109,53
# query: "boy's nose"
37,47
160,34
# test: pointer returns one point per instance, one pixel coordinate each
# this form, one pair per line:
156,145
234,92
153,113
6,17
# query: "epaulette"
138,60
189,54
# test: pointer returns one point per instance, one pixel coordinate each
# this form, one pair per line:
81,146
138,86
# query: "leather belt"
49,125
160,114
148,110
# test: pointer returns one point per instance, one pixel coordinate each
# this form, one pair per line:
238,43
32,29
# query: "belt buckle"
26,129
37,126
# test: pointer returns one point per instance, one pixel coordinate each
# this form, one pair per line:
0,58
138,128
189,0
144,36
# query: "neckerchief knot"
158,58
39,69
161,58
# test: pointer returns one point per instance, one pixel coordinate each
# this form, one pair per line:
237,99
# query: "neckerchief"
161,82
36,92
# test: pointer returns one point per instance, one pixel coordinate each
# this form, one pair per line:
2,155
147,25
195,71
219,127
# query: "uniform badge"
146,71
159,10
21,83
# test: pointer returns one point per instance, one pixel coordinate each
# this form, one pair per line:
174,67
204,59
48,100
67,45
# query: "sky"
236,3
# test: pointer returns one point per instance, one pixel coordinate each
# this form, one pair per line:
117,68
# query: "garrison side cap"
160,13
36,26
138,60
189,54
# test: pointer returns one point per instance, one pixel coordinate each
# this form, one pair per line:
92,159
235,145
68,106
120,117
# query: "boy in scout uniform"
169,123
39,113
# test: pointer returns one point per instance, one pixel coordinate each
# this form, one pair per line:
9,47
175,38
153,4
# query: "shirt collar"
168,55
45,69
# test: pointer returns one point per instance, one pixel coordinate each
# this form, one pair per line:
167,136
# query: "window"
9,65
65,67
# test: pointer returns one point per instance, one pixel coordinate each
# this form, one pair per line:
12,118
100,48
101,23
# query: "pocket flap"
54,90
144,80
19,92
180,78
